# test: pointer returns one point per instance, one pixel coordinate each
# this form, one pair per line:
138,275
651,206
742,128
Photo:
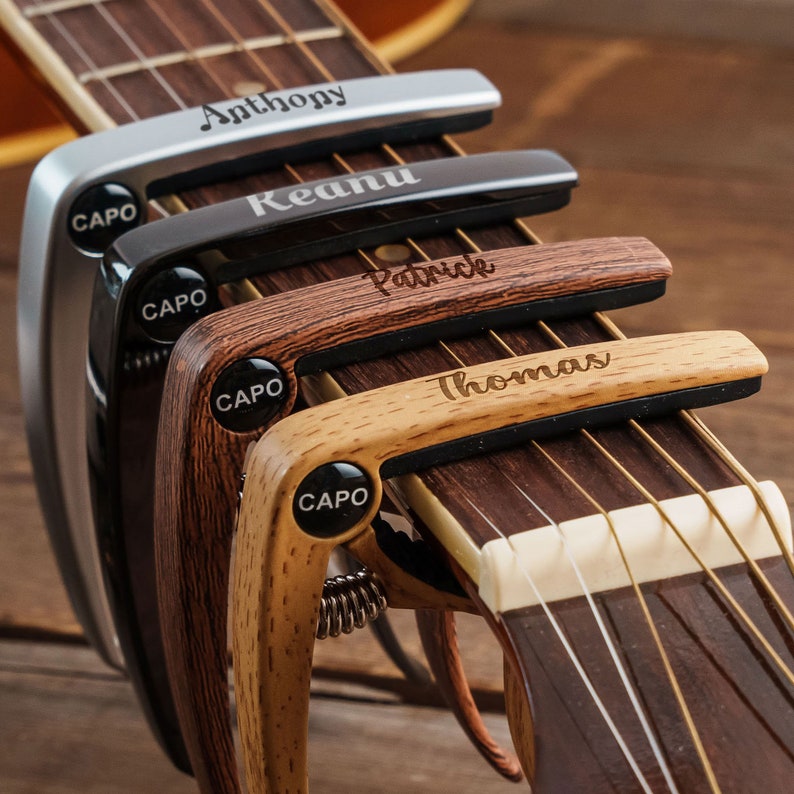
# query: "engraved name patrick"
458,384
412,276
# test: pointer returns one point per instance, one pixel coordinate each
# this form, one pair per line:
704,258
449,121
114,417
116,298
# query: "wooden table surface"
687,143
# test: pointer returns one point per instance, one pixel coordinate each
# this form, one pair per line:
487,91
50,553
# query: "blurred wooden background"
686,139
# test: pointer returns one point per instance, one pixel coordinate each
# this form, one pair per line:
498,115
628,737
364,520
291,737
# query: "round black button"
100,214
332,499
248,394
172,301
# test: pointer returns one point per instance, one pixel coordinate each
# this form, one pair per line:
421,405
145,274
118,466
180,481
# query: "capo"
86,193
158,279
314,482
236,372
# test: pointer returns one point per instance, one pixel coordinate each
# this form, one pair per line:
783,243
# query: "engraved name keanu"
285,200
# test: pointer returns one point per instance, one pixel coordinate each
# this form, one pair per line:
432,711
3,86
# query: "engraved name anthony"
262,103
458,384
413,276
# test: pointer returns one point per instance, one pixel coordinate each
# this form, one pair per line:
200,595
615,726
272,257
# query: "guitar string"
692,481
706,497
182,39
656,447
573,657
54,20
136,50
668,667
712,576
725,456
653,739
671,677
607,639
753,565
720,449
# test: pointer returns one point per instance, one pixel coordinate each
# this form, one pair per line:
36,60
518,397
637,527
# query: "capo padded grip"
362,315
419,413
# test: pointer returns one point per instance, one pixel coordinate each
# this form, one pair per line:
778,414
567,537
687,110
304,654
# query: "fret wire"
571,653
55,7
706,497
290,35
643,604
81,53
608,641
188,55
238,37
707,570
353,33
195,53
136,50
326,73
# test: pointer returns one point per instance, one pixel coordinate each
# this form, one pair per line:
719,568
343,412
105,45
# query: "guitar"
100,99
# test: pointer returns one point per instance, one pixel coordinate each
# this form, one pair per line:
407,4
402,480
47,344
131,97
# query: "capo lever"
236,372
313,482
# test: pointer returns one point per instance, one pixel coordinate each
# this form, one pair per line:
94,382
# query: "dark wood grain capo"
240,356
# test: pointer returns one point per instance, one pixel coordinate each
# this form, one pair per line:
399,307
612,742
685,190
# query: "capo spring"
349,601
141,361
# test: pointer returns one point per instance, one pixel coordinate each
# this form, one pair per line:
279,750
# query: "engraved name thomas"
413,276
459,384
331,190
259,104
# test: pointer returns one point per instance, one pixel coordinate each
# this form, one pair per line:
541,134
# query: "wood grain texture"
278,580
279,568
703,173
196,502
